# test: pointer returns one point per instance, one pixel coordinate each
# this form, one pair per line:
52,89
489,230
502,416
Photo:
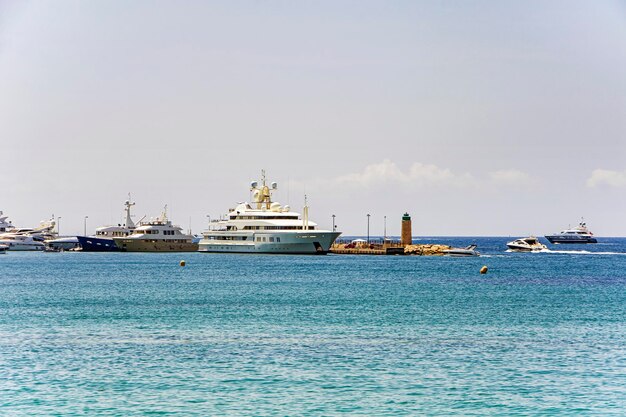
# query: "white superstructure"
5,226
265,226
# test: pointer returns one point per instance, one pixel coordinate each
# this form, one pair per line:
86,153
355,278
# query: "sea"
136,334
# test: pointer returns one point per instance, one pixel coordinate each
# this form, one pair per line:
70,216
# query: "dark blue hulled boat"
578,234
95,244
103,241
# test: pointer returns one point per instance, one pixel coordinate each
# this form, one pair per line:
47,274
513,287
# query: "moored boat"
21,242
26,239
265,226
103,241
157,235
62,243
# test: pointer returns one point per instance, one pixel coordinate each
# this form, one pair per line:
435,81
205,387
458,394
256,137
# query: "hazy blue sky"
479,118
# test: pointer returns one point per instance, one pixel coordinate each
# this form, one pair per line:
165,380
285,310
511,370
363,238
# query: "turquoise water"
136,334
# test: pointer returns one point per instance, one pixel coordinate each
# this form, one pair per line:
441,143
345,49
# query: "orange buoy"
182,263
484,269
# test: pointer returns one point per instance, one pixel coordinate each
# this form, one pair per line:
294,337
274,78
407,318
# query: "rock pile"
426,250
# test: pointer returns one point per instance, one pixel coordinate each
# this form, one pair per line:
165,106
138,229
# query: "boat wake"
571,252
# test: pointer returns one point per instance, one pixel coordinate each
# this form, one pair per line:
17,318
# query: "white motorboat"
462,252
3,249
527,244
265,226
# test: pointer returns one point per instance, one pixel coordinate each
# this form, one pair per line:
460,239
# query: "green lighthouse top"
406,217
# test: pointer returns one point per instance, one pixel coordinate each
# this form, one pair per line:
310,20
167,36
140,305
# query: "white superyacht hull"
18,246
305,242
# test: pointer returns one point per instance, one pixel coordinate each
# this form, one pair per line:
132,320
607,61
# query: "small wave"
583,252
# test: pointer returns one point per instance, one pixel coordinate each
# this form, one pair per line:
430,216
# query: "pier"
362,247
388,247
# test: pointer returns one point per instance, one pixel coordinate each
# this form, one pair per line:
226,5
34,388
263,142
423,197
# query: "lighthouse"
407,234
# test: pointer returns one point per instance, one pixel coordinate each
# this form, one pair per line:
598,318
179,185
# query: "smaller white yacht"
527,244
44,231
3,249
21,242
265,226
157,235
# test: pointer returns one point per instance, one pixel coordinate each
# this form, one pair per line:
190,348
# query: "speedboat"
266,226
578,234
3,249
462,252
527,244
157,235
103,241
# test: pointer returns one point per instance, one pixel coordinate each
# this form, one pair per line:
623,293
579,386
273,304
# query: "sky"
475,117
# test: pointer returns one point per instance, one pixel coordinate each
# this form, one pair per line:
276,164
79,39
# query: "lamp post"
385,230
368,229
333,222
59,226
85,225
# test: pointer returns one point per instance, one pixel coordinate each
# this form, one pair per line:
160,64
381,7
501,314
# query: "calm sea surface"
136,334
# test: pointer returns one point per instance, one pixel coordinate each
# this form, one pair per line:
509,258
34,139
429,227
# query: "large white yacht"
266,227
156,235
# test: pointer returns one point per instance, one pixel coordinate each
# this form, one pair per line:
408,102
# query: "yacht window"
277,239
271,239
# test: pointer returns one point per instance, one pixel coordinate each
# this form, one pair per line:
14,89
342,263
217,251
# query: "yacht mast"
127,205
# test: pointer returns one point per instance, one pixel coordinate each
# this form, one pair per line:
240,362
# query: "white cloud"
417,174
510,177
607,177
